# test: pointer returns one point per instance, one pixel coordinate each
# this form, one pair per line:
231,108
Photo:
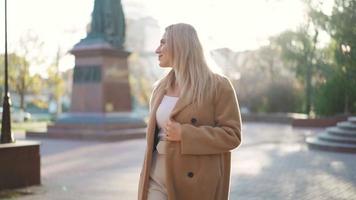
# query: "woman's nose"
158,50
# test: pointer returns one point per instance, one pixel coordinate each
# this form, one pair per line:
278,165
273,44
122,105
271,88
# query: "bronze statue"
108,23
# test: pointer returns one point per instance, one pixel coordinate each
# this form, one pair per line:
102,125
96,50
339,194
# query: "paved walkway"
272,164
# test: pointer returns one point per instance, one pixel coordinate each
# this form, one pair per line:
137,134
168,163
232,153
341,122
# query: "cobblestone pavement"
273,163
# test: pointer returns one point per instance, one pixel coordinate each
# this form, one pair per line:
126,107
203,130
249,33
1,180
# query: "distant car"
17,115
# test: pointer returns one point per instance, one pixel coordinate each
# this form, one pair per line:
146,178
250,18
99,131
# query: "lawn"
29,125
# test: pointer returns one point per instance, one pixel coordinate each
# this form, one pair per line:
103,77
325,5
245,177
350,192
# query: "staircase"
341,138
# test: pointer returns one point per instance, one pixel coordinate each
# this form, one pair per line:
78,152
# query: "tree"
141,79
28,52
20,80
342,29
268,59
340,25
298,49
56,82
264,84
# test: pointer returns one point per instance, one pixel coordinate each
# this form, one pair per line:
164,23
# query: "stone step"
316,143
347,125
325,136
341,132
352,120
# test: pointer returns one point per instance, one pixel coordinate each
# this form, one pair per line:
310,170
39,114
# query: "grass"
30,125
11,194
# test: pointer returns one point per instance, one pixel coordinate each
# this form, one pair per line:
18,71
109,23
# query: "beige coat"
198,167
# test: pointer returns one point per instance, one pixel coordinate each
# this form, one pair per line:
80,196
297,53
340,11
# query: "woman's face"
164,57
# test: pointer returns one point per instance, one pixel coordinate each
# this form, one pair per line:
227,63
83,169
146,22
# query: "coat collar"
156,101
180,105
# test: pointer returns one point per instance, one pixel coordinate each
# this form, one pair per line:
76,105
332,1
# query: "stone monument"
101,101
100,82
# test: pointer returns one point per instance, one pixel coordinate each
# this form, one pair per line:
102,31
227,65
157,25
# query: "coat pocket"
210,174
197,176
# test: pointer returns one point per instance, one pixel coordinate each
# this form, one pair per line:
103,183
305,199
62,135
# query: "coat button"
194,120
190,174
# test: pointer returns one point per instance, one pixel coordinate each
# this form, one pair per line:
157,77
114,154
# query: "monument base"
95,126
20,164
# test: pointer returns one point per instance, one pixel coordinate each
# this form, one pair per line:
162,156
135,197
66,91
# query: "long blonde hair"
191,72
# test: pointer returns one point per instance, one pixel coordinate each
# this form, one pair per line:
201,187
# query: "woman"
194,124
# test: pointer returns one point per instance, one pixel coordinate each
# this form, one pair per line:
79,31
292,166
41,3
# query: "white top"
163,111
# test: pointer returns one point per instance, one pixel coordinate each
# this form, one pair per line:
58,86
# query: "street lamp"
346,50
6,134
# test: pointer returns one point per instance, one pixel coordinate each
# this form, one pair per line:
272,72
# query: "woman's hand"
173,131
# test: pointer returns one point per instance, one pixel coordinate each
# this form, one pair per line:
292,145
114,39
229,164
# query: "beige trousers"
157,183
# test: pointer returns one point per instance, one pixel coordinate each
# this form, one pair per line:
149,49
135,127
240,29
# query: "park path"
273,163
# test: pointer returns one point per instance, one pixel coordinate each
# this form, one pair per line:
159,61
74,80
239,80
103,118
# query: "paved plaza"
273,163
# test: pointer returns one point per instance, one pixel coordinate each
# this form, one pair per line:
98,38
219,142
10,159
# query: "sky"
235,24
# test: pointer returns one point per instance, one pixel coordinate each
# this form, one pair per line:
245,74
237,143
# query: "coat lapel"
156,101
180,105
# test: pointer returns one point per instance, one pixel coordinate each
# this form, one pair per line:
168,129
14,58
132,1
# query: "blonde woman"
194,124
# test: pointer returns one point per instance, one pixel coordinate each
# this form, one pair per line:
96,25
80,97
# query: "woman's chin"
163,65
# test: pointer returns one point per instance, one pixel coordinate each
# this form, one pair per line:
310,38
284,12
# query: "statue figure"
108,23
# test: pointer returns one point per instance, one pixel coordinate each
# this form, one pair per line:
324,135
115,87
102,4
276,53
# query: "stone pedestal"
101,79
19,164
101,100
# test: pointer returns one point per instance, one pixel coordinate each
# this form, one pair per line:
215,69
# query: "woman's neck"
174,90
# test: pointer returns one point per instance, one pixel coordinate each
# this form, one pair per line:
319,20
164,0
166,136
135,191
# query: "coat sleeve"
225,135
